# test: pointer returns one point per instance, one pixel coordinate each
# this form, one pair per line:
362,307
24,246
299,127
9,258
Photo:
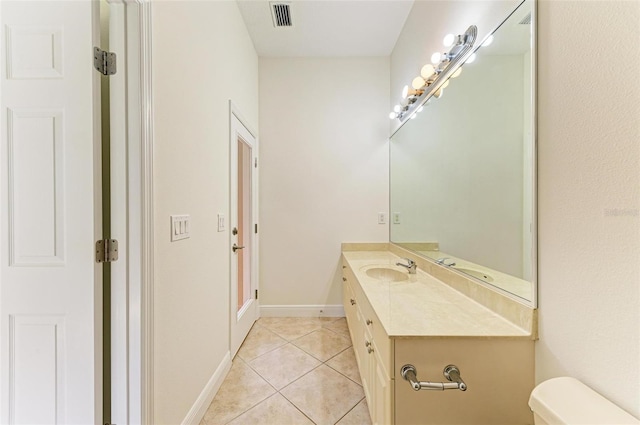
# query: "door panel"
244,305
48,280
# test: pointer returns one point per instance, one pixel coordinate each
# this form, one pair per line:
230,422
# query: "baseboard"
302,310
203,401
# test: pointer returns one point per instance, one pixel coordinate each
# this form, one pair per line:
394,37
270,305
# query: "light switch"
180,227
222,223
382,218
396,218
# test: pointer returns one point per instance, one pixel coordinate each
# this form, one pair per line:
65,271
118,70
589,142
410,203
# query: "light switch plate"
222,223
382,218
180,227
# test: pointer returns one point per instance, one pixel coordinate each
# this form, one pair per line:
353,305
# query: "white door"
244,303
50,337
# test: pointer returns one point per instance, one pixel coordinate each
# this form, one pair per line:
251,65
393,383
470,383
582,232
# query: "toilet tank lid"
566,400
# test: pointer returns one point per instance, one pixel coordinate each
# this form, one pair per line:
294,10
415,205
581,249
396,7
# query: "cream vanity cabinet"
372,347
498,369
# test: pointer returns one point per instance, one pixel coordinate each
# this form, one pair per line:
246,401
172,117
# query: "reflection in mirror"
462,170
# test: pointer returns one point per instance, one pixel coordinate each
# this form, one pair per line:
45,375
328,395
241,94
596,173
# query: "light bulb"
488,41
445,85
420,109
427,71
457,73
404,102
405,92
435,58
471,59
397,109
413,116
418,83
448,40
438,93
392,115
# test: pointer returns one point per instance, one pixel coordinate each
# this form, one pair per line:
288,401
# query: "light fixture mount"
448,63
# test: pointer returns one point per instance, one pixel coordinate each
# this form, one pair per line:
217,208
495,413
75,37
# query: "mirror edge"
533,303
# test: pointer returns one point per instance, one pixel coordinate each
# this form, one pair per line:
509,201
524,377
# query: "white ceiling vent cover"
281,14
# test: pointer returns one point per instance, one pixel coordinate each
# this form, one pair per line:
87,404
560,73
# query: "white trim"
319,310
135,63
236,111
240,322
199,408
146,325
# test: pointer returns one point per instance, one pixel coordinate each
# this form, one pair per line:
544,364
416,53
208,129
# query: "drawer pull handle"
369,350
344,279
353,302
367,344
369,321
451,372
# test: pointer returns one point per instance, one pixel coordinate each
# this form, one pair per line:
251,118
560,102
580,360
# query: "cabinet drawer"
377,332
350,308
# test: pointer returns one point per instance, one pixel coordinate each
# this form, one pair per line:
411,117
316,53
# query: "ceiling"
323,28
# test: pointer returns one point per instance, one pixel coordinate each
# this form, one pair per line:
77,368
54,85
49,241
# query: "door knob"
236,247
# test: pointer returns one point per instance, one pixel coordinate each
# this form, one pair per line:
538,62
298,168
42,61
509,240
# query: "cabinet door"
348,301
365,365
381,390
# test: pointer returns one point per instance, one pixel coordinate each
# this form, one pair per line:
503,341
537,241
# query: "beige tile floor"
292,371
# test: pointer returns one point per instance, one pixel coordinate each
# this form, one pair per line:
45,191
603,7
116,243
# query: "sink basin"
475,273
387,275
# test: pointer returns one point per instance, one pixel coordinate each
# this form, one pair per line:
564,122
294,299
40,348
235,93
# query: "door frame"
234,113
132,211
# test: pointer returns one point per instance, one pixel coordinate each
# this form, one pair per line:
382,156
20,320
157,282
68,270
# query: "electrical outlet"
396,218
382,218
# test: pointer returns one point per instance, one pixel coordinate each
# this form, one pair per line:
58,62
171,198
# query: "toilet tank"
566,400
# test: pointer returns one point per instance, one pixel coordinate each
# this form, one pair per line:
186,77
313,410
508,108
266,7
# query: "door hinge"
255,163
106,251
104,62
256,294
256,230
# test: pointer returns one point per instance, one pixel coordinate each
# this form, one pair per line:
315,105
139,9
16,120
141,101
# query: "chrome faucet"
411,265
442,262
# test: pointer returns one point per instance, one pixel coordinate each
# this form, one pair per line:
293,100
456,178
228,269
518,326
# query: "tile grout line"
322,362
261,401
350,410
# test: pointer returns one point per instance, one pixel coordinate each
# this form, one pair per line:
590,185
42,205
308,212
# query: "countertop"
423,306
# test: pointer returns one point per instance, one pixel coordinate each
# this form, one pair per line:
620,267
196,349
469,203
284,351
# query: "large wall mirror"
462,171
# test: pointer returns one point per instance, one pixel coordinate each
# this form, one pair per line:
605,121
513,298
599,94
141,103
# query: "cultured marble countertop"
423,306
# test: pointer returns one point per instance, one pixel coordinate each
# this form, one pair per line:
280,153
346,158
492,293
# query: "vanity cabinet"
372,348
498,370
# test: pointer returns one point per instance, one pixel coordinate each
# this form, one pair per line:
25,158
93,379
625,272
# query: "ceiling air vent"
526,20
281,14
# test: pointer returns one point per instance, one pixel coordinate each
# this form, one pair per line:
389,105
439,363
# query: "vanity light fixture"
434,77
449,39
412,94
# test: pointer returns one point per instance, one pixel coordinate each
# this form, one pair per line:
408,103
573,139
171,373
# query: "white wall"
323,172
589,196
202,57
589,200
